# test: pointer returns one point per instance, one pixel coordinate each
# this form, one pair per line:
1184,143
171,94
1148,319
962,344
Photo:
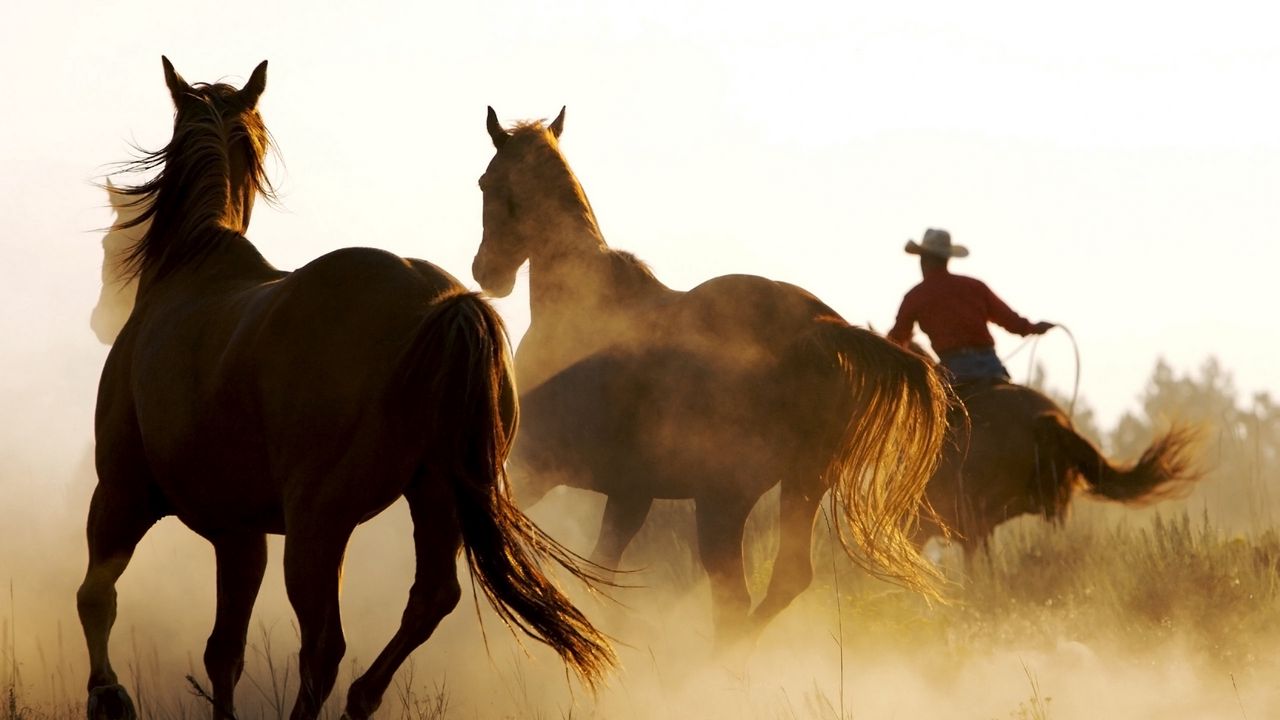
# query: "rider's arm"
901,332
1004,316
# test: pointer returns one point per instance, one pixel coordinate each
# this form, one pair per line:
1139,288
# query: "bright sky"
1112,166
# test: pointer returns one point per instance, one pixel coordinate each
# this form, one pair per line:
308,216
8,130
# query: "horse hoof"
110,702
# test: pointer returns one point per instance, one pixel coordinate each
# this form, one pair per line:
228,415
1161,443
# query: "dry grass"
1143,589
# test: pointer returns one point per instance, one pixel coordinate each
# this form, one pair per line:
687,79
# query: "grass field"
1112,615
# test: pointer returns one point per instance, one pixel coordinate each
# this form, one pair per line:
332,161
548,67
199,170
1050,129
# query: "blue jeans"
974,364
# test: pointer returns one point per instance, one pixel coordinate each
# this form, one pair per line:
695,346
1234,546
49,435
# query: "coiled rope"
1034,342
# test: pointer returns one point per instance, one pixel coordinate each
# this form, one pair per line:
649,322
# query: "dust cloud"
849,645
1169,612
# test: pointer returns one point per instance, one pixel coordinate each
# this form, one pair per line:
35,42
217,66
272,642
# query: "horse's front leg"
624,515
722,520
793,569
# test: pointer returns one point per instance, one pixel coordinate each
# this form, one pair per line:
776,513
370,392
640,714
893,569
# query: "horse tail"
473,400
894,407
1164,470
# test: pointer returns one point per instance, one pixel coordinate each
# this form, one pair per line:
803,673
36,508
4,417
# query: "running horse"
1018,454
637,391
246,400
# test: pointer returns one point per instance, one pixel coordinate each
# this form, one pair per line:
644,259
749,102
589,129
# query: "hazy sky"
1112,166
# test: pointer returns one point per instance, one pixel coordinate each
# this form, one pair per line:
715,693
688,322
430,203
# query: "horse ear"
252,90
177,86
496,132
557,125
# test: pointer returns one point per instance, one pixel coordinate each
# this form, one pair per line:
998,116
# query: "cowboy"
953,310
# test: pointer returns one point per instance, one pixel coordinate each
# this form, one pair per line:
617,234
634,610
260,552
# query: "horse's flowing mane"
186,201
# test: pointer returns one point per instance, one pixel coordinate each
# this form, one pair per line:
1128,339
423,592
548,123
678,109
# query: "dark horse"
638,392
1018,454
246,400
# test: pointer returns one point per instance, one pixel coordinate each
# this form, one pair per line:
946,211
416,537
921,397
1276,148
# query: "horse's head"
530,195
210,172
217,118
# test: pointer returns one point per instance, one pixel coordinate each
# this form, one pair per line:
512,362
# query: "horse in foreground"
1020,455
638,392
246,400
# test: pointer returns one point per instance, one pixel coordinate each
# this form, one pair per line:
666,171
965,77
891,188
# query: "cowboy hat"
937,243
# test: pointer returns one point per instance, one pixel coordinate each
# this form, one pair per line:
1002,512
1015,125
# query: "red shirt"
953,310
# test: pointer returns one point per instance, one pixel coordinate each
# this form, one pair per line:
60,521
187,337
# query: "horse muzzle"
497,282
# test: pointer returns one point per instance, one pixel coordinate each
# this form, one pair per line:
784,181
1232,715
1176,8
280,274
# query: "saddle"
969,387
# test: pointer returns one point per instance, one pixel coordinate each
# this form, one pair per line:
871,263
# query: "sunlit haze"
1112,166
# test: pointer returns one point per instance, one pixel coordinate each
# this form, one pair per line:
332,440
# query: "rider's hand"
1043,327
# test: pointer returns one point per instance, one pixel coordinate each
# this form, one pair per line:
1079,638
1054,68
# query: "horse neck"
572,271
580,277
562,269
232,260
582,300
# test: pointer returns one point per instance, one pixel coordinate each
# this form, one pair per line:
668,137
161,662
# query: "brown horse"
638,392
1018,454
246,400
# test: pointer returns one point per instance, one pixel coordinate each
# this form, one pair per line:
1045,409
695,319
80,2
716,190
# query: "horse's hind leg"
793,569
623,517
435,591
315,542
118,518
721,523
242,559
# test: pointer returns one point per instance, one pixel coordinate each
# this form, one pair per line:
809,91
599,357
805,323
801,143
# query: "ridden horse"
246,400
638,392
1019,454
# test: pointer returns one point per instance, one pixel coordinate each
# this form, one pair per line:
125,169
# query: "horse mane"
626,261
185,202
631,275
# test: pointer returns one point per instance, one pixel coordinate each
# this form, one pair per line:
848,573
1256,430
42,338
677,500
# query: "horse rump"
461,353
